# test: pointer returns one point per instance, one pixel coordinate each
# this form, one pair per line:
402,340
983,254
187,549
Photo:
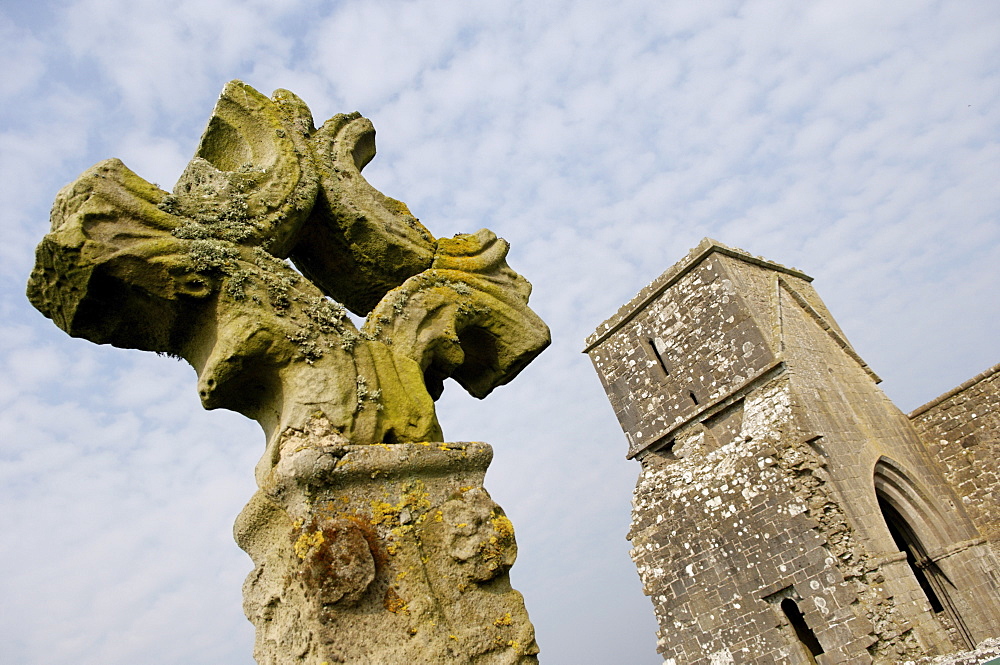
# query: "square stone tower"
786,511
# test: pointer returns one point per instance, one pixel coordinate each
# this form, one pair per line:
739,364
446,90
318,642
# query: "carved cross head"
203,273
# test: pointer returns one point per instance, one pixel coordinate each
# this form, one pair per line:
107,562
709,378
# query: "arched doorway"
909,544
917,528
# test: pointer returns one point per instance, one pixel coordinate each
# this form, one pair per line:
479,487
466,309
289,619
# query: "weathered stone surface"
962,429
771,463
372,543
411,569
358,243
986,653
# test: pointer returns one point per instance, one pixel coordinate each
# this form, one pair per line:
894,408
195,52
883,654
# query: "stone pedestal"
381,554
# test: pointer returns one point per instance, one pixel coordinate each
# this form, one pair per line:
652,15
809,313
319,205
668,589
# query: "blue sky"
856,141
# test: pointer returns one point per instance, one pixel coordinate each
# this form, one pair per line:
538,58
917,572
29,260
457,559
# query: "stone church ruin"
786,510
373,541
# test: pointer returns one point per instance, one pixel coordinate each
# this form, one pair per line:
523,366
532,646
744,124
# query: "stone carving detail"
201,273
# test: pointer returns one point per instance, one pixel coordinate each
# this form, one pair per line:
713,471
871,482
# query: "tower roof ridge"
671,275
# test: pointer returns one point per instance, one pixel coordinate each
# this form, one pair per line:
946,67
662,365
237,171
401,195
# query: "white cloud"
857,141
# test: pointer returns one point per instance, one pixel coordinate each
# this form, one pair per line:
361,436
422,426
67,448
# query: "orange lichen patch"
393,602
338,559
375,543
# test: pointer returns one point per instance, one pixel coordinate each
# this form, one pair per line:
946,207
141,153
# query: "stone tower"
786,511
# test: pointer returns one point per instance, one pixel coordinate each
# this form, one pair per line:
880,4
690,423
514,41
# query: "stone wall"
722,537
962,428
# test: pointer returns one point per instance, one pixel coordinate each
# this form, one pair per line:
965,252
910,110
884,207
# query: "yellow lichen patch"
465,489
505,620
415,500
307,543
504,527
401,531
383,512
494,548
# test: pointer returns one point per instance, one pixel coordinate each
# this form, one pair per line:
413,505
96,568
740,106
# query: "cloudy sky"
858,141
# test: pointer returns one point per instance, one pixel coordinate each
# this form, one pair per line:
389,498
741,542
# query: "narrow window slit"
802,630
693,398
659,358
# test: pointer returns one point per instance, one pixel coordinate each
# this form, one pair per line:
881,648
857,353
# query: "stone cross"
373,541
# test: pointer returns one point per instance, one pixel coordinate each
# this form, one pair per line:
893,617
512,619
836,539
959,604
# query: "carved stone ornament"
373,542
